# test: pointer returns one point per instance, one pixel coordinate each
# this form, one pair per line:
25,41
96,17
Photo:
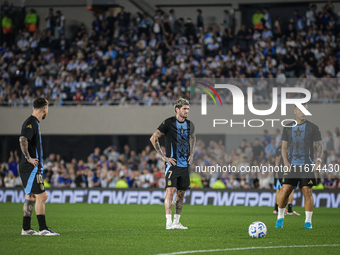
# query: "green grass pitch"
140,229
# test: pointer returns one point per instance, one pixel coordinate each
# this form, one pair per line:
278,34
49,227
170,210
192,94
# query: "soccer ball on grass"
257,229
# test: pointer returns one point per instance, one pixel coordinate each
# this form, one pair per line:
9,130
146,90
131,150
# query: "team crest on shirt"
169,182
29,126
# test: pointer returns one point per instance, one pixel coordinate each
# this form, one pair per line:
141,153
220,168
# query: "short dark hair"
39,103
199,10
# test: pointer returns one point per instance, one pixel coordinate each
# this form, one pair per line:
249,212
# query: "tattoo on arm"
155,142
319,148
192,144
179,201
24,146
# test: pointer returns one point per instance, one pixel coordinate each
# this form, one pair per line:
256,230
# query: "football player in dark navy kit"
180,142
31,169
298,142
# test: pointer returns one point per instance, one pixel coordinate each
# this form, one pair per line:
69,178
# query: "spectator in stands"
278,137
81,179
257,19
270,149
96,179
9,180
266,138
95,156
122,21
7,28
78,96
13,163
165,52
23,44
31,21
146,179
267,19
226,20
311,15
60,23
111,153
50,21
199,19
258,151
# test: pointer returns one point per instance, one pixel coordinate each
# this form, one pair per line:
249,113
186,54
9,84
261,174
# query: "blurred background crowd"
113,168
136,59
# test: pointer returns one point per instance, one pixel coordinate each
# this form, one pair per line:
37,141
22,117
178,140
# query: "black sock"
26,225
290,208
276,207
42,222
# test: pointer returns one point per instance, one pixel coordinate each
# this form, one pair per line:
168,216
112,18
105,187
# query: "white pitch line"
251,248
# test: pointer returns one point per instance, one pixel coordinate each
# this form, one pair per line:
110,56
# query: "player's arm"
192,141
24,148
318,145
277,162
284,153
155,142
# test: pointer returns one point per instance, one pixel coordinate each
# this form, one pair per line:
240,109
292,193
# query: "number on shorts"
170,173
39,178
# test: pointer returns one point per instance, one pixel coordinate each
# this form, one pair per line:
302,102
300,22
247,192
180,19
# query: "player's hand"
287,165
171,161
190,159
33,161
317,169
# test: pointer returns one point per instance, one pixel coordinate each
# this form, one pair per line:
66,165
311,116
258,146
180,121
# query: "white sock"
176,218
168,218
281,213
309,216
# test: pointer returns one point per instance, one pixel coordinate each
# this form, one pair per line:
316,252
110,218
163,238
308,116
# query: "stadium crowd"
134,59
112,168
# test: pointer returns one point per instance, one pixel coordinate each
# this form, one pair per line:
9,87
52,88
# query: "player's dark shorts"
177,177
295,177
277,183
31,178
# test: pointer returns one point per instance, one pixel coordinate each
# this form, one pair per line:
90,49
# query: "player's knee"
307,194
170,191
